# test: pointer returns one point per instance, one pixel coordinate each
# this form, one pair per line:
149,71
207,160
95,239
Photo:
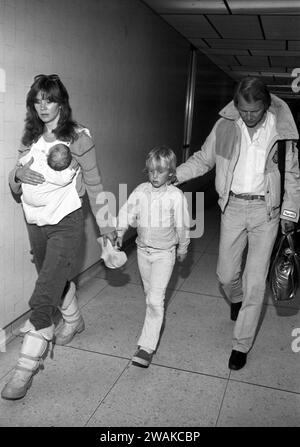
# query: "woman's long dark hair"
54,91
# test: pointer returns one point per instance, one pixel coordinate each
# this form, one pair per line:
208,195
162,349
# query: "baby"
59,157
41,203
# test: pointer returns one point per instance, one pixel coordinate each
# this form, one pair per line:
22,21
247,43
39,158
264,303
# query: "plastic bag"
285,270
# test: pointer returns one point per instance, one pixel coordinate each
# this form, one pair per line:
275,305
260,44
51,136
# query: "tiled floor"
91,382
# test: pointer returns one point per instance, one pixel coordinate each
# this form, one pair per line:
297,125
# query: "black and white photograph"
149,233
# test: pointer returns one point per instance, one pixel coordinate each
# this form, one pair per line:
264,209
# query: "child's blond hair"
161,155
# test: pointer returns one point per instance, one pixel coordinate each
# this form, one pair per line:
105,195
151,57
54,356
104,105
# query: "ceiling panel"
285,61
264,7
247,43
233,27
294,44
275,53
259,68
276,27
188,7
241,74
241,37
191,26
223,59
199,43
209,51
253,60
278,75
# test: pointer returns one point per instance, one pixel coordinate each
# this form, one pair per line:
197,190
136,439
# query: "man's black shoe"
234,310
237,360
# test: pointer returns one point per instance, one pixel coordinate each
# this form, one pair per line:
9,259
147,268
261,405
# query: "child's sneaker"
142,358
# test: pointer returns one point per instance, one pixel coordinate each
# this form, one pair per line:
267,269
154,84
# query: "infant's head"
59,157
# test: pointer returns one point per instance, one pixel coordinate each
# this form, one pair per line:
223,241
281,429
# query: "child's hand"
181,256
112,236
119,241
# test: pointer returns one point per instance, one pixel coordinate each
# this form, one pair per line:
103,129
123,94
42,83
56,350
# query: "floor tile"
92,381
203,278
272,362
113,321
182,270
254,406
66,392
212,216
197,335
291,306
9,357
161,397
213,245
201,243
89,290
91,272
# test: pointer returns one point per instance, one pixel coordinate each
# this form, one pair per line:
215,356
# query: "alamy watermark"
295,345
296,82
192,220
2,340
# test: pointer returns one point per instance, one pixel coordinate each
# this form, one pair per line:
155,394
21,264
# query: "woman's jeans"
245,221
156,268
55,249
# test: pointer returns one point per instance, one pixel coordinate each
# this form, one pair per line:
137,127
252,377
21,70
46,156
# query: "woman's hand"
26,175
112,236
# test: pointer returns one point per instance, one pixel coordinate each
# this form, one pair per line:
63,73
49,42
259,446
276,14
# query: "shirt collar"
157,190
263,126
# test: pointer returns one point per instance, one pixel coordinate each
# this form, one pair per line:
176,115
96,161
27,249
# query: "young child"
160,213
42,202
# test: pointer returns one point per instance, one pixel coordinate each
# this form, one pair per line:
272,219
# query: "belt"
247,196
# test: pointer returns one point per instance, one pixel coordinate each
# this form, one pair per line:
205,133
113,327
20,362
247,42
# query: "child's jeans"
156,268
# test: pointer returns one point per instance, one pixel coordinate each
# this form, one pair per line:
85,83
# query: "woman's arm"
23,173
90,180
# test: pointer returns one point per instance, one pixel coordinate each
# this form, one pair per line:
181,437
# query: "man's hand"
181,256
287,226
173,180
26,175
112,236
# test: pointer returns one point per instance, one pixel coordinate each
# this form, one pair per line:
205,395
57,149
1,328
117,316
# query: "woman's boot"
34,347
73,322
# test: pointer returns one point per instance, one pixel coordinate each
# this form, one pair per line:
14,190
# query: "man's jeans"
156,268
55,248
245,221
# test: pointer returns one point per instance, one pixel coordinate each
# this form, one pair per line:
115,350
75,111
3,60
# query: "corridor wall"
125,70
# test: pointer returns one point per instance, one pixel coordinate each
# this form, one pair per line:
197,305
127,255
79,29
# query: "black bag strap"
290,241
281,165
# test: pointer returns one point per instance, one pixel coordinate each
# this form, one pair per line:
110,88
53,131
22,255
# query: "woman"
55,246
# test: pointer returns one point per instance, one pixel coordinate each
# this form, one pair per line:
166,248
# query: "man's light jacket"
222,147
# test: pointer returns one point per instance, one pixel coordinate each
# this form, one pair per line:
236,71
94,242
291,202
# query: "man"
243,145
